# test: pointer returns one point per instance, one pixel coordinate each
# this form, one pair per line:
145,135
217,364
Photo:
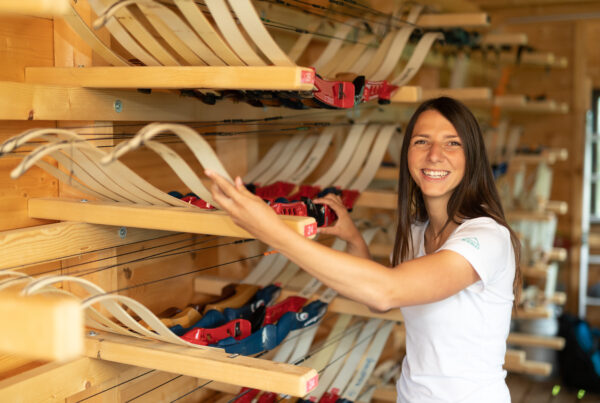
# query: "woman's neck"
437,231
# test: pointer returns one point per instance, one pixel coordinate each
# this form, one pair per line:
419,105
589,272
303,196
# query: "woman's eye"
455,143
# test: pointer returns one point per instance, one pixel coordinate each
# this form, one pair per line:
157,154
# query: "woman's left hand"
246,209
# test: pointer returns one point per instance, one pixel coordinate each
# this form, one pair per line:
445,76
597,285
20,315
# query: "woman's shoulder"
486,224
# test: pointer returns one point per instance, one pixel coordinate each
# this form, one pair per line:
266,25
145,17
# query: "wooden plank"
407,94
385,393
507,38
514,357
548,156
533,340
176,77
539,312
530,368
510,101
387,173
381,250
514,215
22,101
57,381
57,241
449,20
378,199
557,254
537,271
195,221
471,94
44,327
338,305
45,8
208,363
557,206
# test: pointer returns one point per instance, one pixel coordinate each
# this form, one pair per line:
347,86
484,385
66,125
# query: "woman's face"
436,158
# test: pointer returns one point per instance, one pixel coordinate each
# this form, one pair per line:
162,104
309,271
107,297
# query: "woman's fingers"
223,184
334,202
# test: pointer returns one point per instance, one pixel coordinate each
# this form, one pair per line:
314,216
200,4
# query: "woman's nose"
435,153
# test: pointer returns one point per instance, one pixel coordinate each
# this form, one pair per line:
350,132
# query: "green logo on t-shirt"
472,241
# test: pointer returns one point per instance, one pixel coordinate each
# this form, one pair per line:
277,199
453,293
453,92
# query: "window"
595,158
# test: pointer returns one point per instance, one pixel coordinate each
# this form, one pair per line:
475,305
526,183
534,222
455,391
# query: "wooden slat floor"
524,389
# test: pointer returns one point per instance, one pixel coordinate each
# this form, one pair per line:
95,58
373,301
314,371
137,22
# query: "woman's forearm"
353,276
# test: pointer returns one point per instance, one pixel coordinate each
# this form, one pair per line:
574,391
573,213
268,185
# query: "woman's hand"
344,227
246,209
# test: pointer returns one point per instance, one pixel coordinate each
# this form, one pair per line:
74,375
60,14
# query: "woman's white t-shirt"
455,347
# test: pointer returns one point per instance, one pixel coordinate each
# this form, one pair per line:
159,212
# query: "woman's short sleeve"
485,244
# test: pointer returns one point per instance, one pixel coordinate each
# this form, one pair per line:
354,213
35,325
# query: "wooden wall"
573,36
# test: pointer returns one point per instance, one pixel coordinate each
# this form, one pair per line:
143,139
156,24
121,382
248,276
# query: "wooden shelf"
514,215
538,312
449,20
472,94
55,241
548,156
378,199
38,384
407,94
208,363
515,361
519,103
176,77
41,327
338,304
39,8
534,340
541,59
513,39
180,219
536,271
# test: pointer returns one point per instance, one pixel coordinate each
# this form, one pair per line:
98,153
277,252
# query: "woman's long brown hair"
475,196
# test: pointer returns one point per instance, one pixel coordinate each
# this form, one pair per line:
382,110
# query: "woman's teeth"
435,174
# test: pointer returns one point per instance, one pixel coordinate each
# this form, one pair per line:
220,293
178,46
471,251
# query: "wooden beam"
385,393
338,305
58,380
512,39
548,156
381,250
510,101
378,199
42,327
55,241
557,206
449,20
209,363
39,8
534,340
407,94
387,173
536,271
538,312
530,368
463,94
176,77
195,221
557,255
514,215
22,101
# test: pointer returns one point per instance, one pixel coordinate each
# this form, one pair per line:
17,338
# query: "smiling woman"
455,259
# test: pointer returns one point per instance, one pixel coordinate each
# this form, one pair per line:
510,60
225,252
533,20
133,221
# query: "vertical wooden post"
581,103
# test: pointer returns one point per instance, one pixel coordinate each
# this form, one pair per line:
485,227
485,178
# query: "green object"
555,390
580,394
